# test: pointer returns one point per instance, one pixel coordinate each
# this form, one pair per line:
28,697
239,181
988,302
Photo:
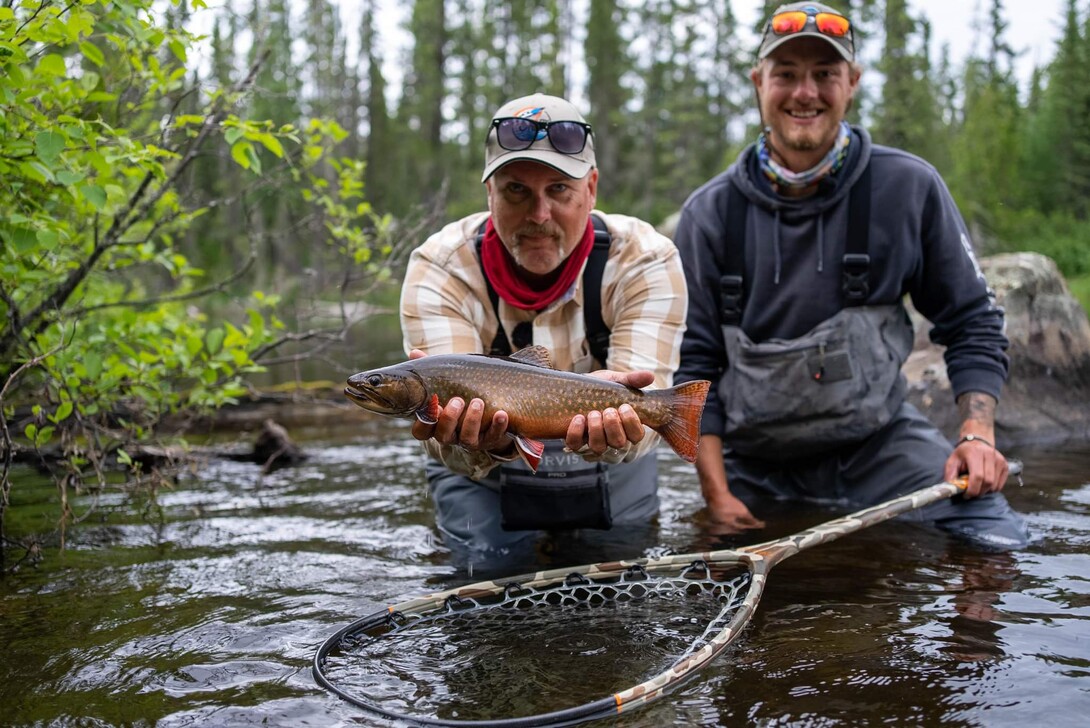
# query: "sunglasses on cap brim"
794,21
515,134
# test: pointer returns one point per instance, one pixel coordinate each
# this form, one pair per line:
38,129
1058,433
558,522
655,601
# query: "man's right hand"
731,515
727,513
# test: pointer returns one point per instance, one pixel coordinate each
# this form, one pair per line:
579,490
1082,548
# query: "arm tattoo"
978,407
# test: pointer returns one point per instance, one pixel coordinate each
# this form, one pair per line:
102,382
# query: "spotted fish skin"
539,400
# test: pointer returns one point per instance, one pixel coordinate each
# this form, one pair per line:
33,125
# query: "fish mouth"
371,400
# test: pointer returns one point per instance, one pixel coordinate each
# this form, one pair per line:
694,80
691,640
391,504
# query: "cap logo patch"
537,113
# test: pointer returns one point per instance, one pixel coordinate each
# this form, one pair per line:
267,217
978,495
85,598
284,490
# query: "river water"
207,609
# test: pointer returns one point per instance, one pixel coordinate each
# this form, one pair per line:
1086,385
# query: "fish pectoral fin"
534,355
530,450
429,411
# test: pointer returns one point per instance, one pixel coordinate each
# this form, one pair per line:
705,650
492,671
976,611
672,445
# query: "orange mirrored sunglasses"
793,21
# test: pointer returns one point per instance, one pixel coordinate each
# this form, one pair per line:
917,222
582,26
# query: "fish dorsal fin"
535,355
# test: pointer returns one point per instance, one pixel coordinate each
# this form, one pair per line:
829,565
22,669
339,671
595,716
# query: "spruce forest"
665,85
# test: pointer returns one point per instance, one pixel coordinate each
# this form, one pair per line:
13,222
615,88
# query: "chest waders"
567,492
835,385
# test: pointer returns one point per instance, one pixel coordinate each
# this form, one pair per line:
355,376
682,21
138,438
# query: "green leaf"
178,49
95,195
52,65
240,152
92,362
37,171
48,145
213,340
63,412
89,81
47,238
233,134
270,142
67,177
22,239
92,53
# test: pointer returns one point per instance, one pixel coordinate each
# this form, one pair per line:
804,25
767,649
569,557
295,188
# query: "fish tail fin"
682,431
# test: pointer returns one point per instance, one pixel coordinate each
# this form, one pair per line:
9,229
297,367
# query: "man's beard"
537,231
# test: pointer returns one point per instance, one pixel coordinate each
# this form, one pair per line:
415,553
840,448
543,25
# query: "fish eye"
374,380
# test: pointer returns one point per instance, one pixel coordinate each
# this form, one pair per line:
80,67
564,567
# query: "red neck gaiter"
503,273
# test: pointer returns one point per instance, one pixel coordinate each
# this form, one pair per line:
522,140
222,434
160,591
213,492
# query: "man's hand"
611,428
986,467
462,425
638,379
729,515
975,453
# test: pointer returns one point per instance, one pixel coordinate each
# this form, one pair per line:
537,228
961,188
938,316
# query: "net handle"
761,558
779,549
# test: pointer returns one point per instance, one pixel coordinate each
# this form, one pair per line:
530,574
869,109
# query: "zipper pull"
821,362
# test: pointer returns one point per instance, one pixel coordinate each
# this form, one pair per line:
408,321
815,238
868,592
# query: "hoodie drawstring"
779,254
776,246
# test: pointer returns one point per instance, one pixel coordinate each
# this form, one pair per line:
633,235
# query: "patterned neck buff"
782,177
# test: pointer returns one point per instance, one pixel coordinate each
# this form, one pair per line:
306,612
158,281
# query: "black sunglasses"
515,134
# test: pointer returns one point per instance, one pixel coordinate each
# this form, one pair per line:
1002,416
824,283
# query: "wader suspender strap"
597,331
730,285
855,270
856,263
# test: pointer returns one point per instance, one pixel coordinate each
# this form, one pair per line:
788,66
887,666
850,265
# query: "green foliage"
1059,235
1080,289
100,337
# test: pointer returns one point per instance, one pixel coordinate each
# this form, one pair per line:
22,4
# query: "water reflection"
210,615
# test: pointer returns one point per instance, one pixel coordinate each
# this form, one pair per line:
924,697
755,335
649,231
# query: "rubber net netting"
531,650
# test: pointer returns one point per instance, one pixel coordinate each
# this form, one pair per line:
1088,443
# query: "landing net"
528,649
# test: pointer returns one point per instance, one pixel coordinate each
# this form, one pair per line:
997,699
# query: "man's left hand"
611,428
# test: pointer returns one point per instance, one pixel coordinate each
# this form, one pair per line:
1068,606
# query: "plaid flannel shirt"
445,309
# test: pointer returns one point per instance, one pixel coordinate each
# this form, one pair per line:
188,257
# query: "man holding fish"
798,258
539,269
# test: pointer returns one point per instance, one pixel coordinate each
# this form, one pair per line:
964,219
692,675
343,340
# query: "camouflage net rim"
556,589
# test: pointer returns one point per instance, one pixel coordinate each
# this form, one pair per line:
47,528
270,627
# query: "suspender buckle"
855,283
730,289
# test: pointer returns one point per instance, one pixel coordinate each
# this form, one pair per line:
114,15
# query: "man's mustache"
537,231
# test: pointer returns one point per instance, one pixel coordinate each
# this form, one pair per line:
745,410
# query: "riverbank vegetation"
192,194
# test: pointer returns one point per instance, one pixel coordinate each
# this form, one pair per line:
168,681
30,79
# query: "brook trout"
539,400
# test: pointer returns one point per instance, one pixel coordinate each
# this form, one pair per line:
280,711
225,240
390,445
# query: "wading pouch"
833,386
555,499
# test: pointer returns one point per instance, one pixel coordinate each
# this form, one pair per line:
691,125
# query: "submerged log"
272,449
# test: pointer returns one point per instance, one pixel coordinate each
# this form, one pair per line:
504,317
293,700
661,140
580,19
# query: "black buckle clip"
730,288
855,284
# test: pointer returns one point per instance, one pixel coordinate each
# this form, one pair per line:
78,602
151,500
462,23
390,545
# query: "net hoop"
758,560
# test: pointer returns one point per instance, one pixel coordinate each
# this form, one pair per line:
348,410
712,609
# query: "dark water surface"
211,616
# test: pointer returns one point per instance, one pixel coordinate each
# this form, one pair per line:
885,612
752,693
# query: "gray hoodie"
917,242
